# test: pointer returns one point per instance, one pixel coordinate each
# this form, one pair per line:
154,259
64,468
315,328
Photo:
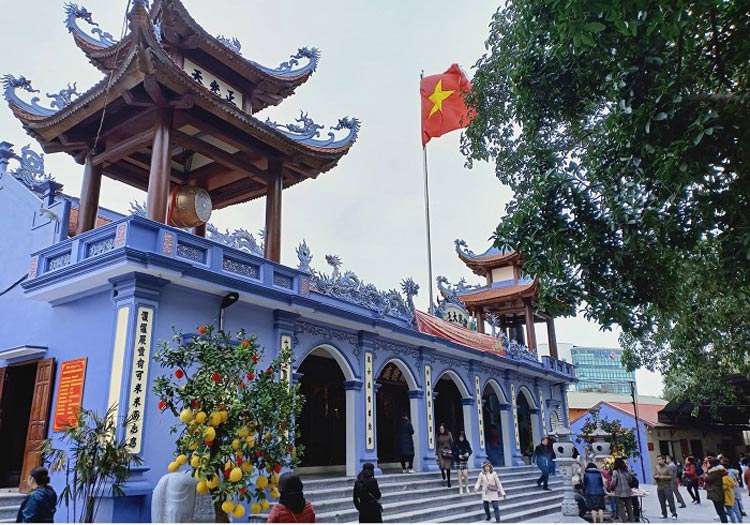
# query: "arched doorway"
448,408
494,427
528,424
323,423
392,400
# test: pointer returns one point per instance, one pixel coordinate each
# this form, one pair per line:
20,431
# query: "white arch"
336,355
458,382
497,389
529,398
411,382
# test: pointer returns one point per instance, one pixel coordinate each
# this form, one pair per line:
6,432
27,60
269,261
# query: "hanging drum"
189,206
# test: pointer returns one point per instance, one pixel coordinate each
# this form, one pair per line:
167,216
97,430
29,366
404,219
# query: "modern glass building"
601,370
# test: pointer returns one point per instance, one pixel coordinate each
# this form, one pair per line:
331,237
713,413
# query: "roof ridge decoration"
285,69
348,287
307,132
450,299
74,13
60,100
234,44
30,171
463,249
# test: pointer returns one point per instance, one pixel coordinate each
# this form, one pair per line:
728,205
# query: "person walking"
715,487
444,452
663,478
691,479
406,443
492,490
730,502
543,461
620,488
611,500
593,484
41,503
367,495
675,478
461,452
735,473
292,507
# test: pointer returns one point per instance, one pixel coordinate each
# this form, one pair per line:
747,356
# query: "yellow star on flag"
437,97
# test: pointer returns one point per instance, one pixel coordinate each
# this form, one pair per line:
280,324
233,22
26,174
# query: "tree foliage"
624,130
622,439
235,421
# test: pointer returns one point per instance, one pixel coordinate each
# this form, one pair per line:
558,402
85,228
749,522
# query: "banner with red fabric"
429,324
443,105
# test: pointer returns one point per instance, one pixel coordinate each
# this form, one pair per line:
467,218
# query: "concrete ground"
703,513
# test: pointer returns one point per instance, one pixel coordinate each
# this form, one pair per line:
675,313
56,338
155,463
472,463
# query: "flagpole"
427,219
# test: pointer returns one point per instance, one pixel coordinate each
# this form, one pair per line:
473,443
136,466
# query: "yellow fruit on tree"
235,475
200,417
214,419
238,512
228,465
186,415
250,440
228,506
261,482
209,434
181,459
274,480
195,461
224,415
274,493
269,468
264,504
202,487
213,482
269,436
255,508
193,445
173,466
236,444
247,467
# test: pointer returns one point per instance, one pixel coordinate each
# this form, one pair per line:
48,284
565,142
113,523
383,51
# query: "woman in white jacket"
492,490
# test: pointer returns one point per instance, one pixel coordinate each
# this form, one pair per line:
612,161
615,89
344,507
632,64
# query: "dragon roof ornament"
347,286
234,43
307,132
75,13
30,169
59,100
287,69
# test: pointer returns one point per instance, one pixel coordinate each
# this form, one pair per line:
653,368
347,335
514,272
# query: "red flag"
443,105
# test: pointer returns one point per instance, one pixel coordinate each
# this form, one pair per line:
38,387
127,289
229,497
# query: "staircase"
10,502
423,497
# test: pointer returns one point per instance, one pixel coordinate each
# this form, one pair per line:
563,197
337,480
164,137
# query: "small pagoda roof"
484,263
499,293
182,38
218,145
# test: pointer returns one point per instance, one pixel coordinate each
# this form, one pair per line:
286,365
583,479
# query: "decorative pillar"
89,202
543,414
564,459
530,332
479,314
517,458
481,453
161,168
416,422
552,337
273,214
430,410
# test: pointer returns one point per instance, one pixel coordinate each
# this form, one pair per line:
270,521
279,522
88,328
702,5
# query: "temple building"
88,293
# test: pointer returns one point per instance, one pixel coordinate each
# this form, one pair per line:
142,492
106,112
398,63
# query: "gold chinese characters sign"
139,378
428,398
478,393
370,402
69,393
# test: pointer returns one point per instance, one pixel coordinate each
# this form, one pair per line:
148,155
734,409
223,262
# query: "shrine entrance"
392,398
448,408
323,421
496,428
528,424
25,397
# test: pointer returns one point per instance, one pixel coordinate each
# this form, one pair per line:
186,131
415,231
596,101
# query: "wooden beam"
233,161
154,91
273,217
530,331
89,202
116,151
241,191
127,174
133,122
161,168
132,99
552,337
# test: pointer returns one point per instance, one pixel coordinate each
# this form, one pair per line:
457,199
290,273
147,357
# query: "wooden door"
39,417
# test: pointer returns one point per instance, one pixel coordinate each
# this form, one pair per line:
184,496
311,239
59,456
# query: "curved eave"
103,58
504,294
484,264
286,82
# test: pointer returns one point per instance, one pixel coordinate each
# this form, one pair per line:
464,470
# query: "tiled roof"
500,293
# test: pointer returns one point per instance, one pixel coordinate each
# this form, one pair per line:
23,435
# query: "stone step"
509,514
10,502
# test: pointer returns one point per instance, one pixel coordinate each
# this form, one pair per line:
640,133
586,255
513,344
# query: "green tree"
623,440
623,129
95,462
235,421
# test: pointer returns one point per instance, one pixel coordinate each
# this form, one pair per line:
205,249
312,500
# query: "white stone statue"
175,501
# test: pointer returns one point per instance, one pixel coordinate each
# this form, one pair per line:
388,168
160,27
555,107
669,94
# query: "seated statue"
175,500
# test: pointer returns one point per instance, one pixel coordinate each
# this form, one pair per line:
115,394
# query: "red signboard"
429,324
650,447
69,393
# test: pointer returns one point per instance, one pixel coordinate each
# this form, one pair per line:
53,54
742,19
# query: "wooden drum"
189,206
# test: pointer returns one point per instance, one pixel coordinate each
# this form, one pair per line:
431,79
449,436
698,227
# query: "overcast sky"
370,209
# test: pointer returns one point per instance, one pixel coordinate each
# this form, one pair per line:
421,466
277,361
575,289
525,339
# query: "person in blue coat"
405,443
543,461
593,484
40,505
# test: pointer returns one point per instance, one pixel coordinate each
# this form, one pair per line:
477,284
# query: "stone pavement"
703,513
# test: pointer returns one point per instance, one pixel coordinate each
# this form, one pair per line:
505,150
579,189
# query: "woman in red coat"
292,507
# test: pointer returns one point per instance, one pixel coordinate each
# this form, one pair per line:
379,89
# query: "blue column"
471,425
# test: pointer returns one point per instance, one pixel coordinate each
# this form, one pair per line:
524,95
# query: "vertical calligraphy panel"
139,377
515,416
430,403
286,366
541,407
369,402
478,392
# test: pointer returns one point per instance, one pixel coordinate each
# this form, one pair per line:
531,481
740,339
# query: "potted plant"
235,422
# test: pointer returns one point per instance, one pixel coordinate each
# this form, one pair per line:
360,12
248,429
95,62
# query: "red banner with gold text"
429,324
69,393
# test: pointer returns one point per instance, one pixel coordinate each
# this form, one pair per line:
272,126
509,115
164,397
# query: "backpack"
698,470
632,481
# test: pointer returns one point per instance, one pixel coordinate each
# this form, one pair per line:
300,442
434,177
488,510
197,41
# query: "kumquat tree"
235,421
